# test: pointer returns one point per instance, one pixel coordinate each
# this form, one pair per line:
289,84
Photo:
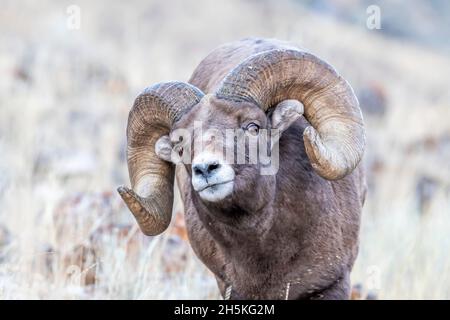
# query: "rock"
5,240
372,99
426,188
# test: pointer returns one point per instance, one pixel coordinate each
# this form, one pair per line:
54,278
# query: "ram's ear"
163,148
285,114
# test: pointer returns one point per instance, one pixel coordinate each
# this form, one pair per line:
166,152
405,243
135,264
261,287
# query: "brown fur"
293,227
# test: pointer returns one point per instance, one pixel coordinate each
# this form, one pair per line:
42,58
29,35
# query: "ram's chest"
234,282
259,290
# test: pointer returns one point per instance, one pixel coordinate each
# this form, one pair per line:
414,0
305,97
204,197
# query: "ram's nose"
205,170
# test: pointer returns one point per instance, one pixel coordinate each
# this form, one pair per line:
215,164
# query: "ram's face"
285,75
217,141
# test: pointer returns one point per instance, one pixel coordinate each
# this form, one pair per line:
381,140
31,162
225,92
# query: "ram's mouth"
209,186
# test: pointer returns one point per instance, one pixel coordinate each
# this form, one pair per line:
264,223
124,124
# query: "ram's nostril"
205,169
198,170
213,167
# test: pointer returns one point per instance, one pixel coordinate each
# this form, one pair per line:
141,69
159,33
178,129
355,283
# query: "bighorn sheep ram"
289,235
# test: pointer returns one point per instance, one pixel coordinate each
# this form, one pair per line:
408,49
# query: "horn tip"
121,189
125,192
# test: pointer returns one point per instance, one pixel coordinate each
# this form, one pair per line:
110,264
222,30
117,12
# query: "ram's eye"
252,128
180,151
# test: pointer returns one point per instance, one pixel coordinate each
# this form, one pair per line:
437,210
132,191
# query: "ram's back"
211,70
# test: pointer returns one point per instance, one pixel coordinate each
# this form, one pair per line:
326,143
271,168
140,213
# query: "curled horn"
335,140
154,112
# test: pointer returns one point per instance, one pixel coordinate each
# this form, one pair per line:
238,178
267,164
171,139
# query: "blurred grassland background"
64,100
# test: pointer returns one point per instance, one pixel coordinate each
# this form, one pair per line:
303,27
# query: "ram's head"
266,92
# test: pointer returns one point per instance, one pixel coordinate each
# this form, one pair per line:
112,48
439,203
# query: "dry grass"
64,99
